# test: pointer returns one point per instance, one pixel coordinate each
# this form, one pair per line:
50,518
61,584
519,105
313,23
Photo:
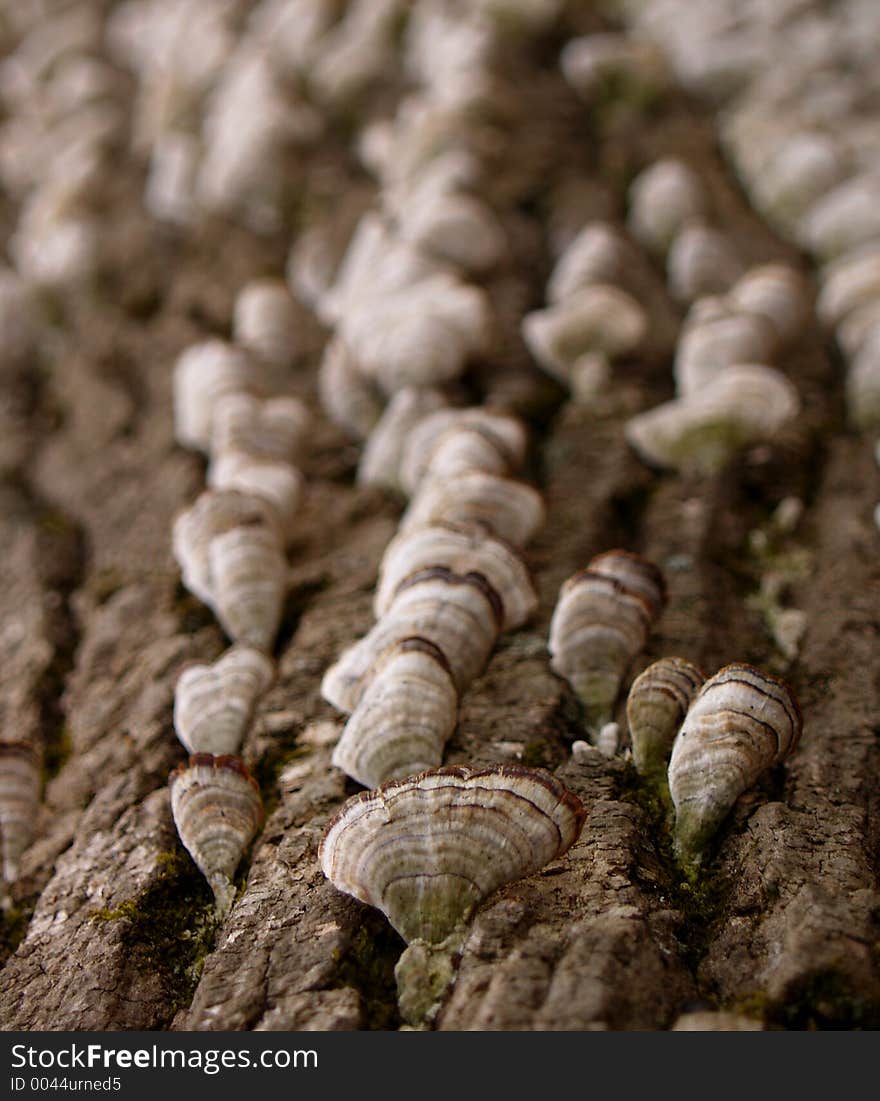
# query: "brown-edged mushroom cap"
426,850
217,810
742,722
19,800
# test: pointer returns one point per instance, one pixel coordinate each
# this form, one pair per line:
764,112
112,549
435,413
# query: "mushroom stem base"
425,973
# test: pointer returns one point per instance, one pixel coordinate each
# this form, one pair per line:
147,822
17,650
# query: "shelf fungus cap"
600,253
279,483
778,293
420,335
214,512
512,510
602,619
634,572
742,722
657,703
461,614
746,404
716,335
266,321
428,849
662,198
203,374
701,261
274,428
214,704
595,318
19,800
404,718
381,456
426,448
217,810
849,284
249,575
462,548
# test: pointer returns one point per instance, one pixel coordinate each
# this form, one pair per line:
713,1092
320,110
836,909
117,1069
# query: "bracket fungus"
266,321
602,619
599,253
348,399
512,510
217,810
19,800
422,334
430,448
702,431
404,718
657,703
276,482
461,548
461,614
715,336
271,428
229,548
778,293
203,374
381,456
214,704
742,722
214,512
249,573
595,318
428,849
701,261
662,199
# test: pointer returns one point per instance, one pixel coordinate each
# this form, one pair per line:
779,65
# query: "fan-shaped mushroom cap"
426,850
744,405
266,321
463,549
214,512
217,810
460,613
505,434
701,260
510,509
662,198
600,253
203,374
19,800
404,718
742,722
277,482
595,318
249,581
655,708
716,335
598,627
213,704
635,573
778,293
381,458
348,399
274,428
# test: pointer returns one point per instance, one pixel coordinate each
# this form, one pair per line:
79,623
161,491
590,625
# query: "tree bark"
113,926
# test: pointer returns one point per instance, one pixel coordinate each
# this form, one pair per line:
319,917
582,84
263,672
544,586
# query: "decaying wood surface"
112,926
